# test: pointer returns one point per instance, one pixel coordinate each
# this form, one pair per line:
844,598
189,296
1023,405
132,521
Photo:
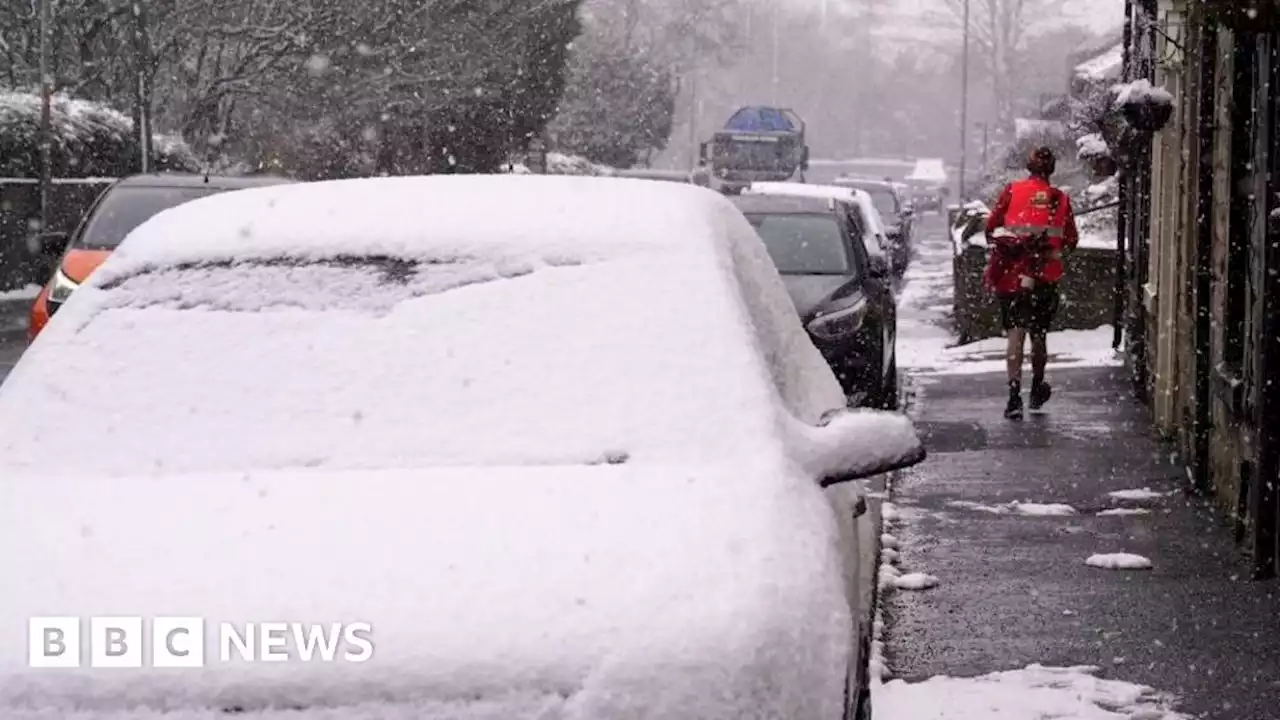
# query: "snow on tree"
617,107
1000,31
326,87
89,140
1092,147
448,87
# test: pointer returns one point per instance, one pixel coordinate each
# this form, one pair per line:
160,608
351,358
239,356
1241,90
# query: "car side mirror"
879,267
857,444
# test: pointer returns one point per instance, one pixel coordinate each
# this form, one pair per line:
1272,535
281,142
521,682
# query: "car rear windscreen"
124,208
885,203
804,244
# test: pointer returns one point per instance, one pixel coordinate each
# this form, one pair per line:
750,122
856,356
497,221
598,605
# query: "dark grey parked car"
897,214
843,295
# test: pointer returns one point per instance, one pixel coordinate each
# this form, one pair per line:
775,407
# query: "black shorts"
1031,310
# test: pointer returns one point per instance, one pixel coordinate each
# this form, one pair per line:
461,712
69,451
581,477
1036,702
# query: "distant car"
560,441
120,208
898,217
846,305
879,246
929,183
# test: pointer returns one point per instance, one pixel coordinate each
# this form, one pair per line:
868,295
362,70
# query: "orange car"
117,211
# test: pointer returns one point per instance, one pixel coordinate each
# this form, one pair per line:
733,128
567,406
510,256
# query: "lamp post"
776,39
964,104
46,119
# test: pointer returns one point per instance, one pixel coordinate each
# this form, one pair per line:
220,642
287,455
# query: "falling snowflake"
318,64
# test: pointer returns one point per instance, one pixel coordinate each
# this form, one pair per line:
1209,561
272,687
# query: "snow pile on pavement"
1119,512
1141,91
915,581
1118,561
1043,693
1018,508
1137,494
23,293
1067,348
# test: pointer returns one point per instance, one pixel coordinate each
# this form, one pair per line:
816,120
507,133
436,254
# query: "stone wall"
1088,289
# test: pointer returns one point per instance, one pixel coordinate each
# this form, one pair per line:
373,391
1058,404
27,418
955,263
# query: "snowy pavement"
1054,568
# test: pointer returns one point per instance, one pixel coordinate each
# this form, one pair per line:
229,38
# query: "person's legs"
1017,346
1014,317
1039,355
1044,310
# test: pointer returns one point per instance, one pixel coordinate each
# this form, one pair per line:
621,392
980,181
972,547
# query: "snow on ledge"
1032,692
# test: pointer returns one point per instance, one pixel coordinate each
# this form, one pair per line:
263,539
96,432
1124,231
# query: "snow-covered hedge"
1092,147
90,139
562,164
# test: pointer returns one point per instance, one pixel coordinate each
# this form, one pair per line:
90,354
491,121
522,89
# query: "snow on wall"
1106,66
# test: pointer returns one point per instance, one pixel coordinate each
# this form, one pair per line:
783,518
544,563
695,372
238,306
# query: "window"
804,244
122,210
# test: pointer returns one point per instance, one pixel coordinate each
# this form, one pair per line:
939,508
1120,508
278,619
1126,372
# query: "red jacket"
1027,208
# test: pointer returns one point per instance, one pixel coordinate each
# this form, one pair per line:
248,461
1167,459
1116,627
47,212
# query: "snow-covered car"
879,245
573,459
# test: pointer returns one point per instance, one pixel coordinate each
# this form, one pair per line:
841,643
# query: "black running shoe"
1040,394
1013,410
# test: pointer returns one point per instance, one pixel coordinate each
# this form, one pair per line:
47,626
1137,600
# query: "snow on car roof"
429,217
858,195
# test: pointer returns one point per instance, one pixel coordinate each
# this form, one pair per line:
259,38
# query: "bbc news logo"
179,642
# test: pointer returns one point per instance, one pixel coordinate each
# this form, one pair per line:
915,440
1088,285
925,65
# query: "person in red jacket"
1027,231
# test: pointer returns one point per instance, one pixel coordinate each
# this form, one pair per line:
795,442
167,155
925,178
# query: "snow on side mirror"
857,444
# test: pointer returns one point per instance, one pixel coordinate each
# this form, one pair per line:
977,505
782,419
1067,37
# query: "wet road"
1014,587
